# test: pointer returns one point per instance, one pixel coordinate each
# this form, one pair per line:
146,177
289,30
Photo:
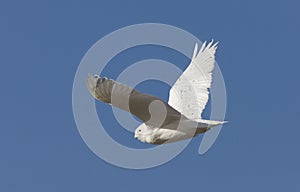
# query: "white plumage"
163,122
189,95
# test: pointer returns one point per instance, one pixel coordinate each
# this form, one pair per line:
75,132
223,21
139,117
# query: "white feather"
189,94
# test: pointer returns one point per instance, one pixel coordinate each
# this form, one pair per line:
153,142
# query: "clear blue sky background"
42,43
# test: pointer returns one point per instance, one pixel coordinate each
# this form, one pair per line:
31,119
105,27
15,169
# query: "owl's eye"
140,130
95,76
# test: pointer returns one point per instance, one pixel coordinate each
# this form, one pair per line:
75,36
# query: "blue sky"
43,42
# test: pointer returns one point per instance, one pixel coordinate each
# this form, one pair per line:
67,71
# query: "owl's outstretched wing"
150,109
189,94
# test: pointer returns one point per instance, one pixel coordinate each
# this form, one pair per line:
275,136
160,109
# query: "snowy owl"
165,122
